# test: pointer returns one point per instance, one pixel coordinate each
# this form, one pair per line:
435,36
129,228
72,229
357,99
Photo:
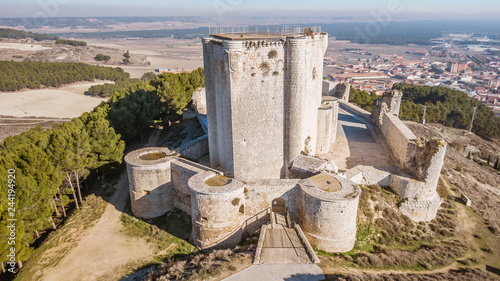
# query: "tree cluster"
449,107
133,109
363,99
49,165
101,57
71,42
176,90
19,34
15,76
107,89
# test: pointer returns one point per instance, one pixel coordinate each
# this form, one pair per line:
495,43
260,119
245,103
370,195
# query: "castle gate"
278,205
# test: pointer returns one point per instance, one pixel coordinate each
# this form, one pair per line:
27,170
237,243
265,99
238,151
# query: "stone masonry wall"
338,90
150,184
195,149
259,195
257,97
397,136
262,102
218,97
216,212
182,171
329,218
325,122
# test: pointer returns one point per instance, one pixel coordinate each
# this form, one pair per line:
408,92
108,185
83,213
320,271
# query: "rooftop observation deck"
262,32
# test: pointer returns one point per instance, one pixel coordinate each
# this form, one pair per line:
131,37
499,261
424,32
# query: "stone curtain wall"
195,149
338,90
397,136
182,171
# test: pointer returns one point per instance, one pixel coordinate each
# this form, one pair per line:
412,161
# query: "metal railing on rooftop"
266,30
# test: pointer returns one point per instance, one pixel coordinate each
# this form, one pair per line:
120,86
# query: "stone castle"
268,115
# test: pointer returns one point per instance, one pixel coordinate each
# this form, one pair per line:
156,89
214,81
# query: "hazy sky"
235,8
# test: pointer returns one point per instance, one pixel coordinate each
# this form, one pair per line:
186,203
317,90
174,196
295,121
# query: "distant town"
456,61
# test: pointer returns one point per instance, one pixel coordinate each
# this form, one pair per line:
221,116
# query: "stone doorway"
278,205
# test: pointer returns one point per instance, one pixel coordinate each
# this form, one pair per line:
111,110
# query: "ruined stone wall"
398,137
338,90
425,159
421,159
216,212
329,218
150,184
393,99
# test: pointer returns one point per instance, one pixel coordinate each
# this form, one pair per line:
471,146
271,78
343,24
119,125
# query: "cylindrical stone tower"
209,70
149,179
295,97
334,103
328,208
325,117
217,205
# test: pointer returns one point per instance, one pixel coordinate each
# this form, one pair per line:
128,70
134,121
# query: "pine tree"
469,155
133,110
106,146
70,150
497,164
36,182
489,160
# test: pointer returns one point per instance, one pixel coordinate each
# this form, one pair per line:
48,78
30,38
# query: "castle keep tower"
263,97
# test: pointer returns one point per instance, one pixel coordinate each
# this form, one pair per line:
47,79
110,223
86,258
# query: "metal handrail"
269,30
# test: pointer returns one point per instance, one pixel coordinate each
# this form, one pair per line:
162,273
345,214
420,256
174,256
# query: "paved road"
279,272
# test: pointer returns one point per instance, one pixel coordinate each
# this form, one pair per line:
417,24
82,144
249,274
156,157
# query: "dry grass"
209,265
387,239
463,274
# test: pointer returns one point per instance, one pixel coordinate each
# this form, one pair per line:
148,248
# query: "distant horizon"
368,10
317,20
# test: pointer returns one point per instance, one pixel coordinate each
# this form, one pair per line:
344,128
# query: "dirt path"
104,252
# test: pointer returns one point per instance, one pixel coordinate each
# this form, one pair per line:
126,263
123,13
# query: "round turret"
328,208
149,178
217,204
